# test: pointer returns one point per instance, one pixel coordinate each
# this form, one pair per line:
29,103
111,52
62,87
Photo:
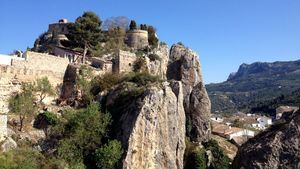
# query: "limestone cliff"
185,67
158,66
278,147
150,120
152,128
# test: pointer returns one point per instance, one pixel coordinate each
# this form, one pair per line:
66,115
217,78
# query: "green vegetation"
108,155
152,39
113,42
84,85
253,85
45,121
154,57
43,88
132,25
82,134
194,157
144,27
220,160
108,80
86,32
22,104
197,158
140,64
22,159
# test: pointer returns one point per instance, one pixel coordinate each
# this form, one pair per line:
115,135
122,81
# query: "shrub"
108,155
104,82
133,25
140,64
142,78
194,157
220,159
45,120
22,159
154,57
152,39
82,135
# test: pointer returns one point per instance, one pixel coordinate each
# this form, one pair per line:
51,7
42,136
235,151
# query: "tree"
22,104
197,160
144,27
83,134
115,38
84,85
220,159
85,32
133,25
152,39
43,88
108,155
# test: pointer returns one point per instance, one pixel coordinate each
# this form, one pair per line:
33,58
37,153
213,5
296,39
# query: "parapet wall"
42,62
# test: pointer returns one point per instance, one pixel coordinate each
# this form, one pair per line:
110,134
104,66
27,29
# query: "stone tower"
137,38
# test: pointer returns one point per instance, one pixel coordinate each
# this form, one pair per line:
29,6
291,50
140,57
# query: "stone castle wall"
35,65
125,62
42,62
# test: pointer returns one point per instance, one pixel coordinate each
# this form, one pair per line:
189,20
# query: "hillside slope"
254,83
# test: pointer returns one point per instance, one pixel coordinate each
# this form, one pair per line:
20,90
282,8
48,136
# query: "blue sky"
224,33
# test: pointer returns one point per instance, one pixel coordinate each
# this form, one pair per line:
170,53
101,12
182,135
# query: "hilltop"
84,97
254,83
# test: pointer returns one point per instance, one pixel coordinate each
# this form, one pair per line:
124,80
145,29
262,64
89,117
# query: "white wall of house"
244,132
236,134
264,121
5,59
217,119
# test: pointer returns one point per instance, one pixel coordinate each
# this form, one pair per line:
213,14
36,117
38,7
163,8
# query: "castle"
51,59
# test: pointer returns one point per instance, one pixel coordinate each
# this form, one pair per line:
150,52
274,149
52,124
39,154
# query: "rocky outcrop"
152,129
157,62
185,67
278,147
8,144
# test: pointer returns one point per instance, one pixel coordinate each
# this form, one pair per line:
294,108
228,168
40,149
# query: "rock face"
185,67
153,130
8,144
158,67
279,147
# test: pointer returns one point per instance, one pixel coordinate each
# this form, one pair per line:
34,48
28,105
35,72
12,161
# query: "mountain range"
254,84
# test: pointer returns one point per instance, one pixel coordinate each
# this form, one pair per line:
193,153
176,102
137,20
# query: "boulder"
277,147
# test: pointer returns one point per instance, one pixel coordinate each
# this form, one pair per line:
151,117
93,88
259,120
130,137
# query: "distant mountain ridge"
254,83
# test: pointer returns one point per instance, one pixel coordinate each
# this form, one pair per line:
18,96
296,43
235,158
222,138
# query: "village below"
92,94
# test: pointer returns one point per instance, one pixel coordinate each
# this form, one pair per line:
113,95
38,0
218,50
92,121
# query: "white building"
5,59
217,119
262,123
231,132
